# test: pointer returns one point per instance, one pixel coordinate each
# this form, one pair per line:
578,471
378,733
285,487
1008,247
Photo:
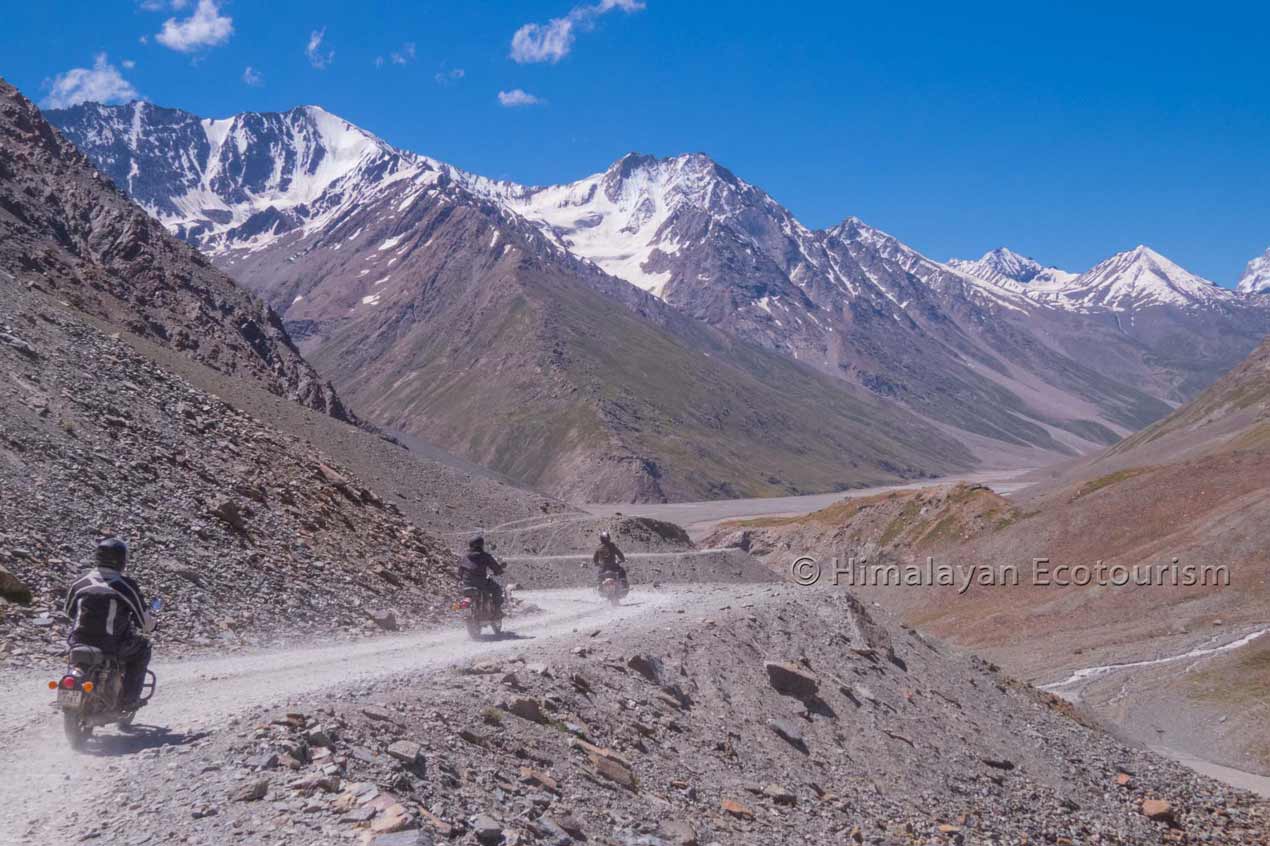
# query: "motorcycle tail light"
466,603
68,682
88,687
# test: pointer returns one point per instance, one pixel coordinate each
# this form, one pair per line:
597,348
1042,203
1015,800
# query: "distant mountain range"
625,330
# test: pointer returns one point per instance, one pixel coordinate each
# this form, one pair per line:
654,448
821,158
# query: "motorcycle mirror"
156,604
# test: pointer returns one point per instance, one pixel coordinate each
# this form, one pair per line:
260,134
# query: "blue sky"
1063,130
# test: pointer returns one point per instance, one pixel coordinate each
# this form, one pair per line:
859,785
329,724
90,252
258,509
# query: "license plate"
70,698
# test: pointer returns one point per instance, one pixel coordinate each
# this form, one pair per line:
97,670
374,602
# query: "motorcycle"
479,609
90,692
614,588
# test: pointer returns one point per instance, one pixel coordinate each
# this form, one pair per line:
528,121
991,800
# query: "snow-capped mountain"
1137,279
332,225
1006,268
243,181
1256,277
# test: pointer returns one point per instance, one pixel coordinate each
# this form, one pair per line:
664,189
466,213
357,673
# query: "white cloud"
207,27
405,55
253,77
103,83
128,64
552,41
317,56
516,97
445,77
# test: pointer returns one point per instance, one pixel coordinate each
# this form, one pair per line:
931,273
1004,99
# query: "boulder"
14,589
402,838
392,819
386,620
408,752
231,514
487,830
1158,810
788,731
251,792
615,771
647,666
539,779
679,833
527,709
779,795
792,679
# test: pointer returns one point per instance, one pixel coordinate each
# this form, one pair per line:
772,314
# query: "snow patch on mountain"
244,181
1008,269
619,219
1256,277
1138,278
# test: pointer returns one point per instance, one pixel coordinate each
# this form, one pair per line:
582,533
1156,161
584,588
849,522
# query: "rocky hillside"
69,230
724,725
151,397
244,530
1191,488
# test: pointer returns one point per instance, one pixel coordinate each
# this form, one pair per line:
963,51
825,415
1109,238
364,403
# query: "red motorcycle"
479,610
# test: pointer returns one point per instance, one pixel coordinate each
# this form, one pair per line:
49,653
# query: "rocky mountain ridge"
1019,373
446,316
1005,267
64,227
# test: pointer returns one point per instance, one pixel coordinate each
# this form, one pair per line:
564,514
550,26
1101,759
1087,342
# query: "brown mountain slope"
67,228
1194,487
448,319
244,529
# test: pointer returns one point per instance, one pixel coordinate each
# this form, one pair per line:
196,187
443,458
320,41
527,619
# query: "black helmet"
604,536
112,553
476,544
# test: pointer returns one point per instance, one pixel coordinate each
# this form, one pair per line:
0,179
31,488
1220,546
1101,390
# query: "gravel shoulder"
40,777
751,714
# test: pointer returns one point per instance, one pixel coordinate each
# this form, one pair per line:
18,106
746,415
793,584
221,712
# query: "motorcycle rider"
475,570
609,559
108,611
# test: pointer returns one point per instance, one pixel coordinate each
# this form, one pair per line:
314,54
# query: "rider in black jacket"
107,610
477,568
609,559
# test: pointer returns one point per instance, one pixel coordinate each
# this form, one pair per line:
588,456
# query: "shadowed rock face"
65,228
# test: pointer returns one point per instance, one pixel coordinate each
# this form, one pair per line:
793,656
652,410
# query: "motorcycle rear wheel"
76,731
473,629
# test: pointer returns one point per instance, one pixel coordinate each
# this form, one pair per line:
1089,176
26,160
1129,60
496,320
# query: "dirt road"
700,518
39,774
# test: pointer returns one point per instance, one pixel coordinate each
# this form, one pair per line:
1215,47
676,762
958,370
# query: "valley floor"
701,518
